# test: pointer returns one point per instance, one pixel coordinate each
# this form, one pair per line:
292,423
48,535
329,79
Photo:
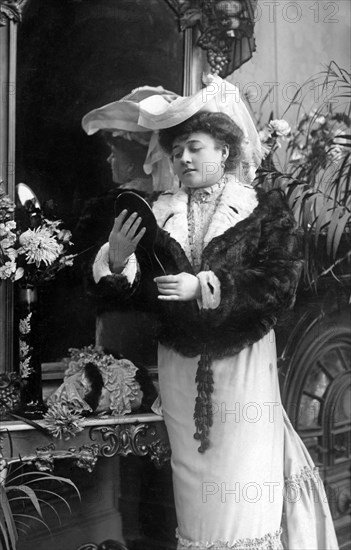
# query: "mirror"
26,195
74,56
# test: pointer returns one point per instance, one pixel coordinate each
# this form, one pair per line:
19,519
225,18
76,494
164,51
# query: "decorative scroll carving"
226,30
11,9
127,439
139,439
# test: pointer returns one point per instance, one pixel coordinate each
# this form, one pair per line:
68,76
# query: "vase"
32,404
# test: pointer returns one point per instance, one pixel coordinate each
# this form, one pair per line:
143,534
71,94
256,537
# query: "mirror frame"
11,14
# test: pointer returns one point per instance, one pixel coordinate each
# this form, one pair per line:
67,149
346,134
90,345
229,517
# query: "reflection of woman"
129,333
232,264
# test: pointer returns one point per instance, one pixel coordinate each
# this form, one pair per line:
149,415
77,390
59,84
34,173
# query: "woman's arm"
114,272
267,284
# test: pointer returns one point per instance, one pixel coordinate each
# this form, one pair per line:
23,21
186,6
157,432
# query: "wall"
294,39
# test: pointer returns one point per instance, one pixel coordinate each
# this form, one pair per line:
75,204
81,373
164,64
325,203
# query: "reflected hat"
123,115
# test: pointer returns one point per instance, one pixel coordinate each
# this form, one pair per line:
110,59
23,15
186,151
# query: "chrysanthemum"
62,421
40,246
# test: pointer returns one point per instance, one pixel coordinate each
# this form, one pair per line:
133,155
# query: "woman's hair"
218,125
132,148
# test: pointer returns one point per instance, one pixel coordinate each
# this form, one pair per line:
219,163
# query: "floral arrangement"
93,382
32,254
311,161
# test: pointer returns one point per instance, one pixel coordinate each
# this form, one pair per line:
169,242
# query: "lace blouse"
202,204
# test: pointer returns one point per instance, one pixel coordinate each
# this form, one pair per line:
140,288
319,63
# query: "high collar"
205,194
236,203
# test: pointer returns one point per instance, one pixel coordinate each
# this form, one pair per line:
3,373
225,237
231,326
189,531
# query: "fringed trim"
203,414
305,474
270,541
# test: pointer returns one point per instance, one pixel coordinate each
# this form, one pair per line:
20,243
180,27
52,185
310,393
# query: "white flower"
320,120
11,253
19,273
40,246
264,135
67,261
63,421
7,270
280,126
64,235
6,245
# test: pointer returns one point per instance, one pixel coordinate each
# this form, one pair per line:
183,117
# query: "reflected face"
121,165
197,160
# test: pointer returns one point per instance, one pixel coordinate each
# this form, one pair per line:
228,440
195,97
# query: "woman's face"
198,160
121,165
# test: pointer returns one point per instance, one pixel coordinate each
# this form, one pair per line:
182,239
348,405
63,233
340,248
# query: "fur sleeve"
264,282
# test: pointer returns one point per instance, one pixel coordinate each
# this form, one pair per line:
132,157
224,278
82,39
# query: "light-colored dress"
256,486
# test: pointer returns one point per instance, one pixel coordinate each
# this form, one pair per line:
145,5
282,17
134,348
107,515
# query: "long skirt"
256,487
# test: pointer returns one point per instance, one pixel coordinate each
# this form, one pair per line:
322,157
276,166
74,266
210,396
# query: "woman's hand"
124,239
183,287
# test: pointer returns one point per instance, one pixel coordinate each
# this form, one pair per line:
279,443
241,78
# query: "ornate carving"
226,30
108,441
3,469
160,452
9,392
45,459
11,9
87,457
125,439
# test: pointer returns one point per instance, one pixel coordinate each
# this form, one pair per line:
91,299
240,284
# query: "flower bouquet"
33,249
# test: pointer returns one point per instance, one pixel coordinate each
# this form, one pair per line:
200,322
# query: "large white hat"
149,109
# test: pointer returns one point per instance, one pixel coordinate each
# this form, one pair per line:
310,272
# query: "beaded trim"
305,474
270,541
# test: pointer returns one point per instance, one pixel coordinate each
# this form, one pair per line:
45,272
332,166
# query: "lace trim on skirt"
270,541
305,474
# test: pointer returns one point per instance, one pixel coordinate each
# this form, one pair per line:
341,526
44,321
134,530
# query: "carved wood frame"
11,13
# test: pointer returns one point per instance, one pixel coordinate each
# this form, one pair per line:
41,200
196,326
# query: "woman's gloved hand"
123,239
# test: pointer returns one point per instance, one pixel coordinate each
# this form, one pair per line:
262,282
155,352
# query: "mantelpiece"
140,435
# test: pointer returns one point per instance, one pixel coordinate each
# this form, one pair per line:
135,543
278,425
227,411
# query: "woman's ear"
225,151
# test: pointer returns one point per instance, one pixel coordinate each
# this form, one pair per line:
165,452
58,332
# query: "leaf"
321,220
307,213
8,526
295,193
29,516
55,478
339,231
56,495
300,203
3,532
332,228
30,494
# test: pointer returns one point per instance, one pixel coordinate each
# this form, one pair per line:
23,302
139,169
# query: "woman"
232,264
242,477
115,329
